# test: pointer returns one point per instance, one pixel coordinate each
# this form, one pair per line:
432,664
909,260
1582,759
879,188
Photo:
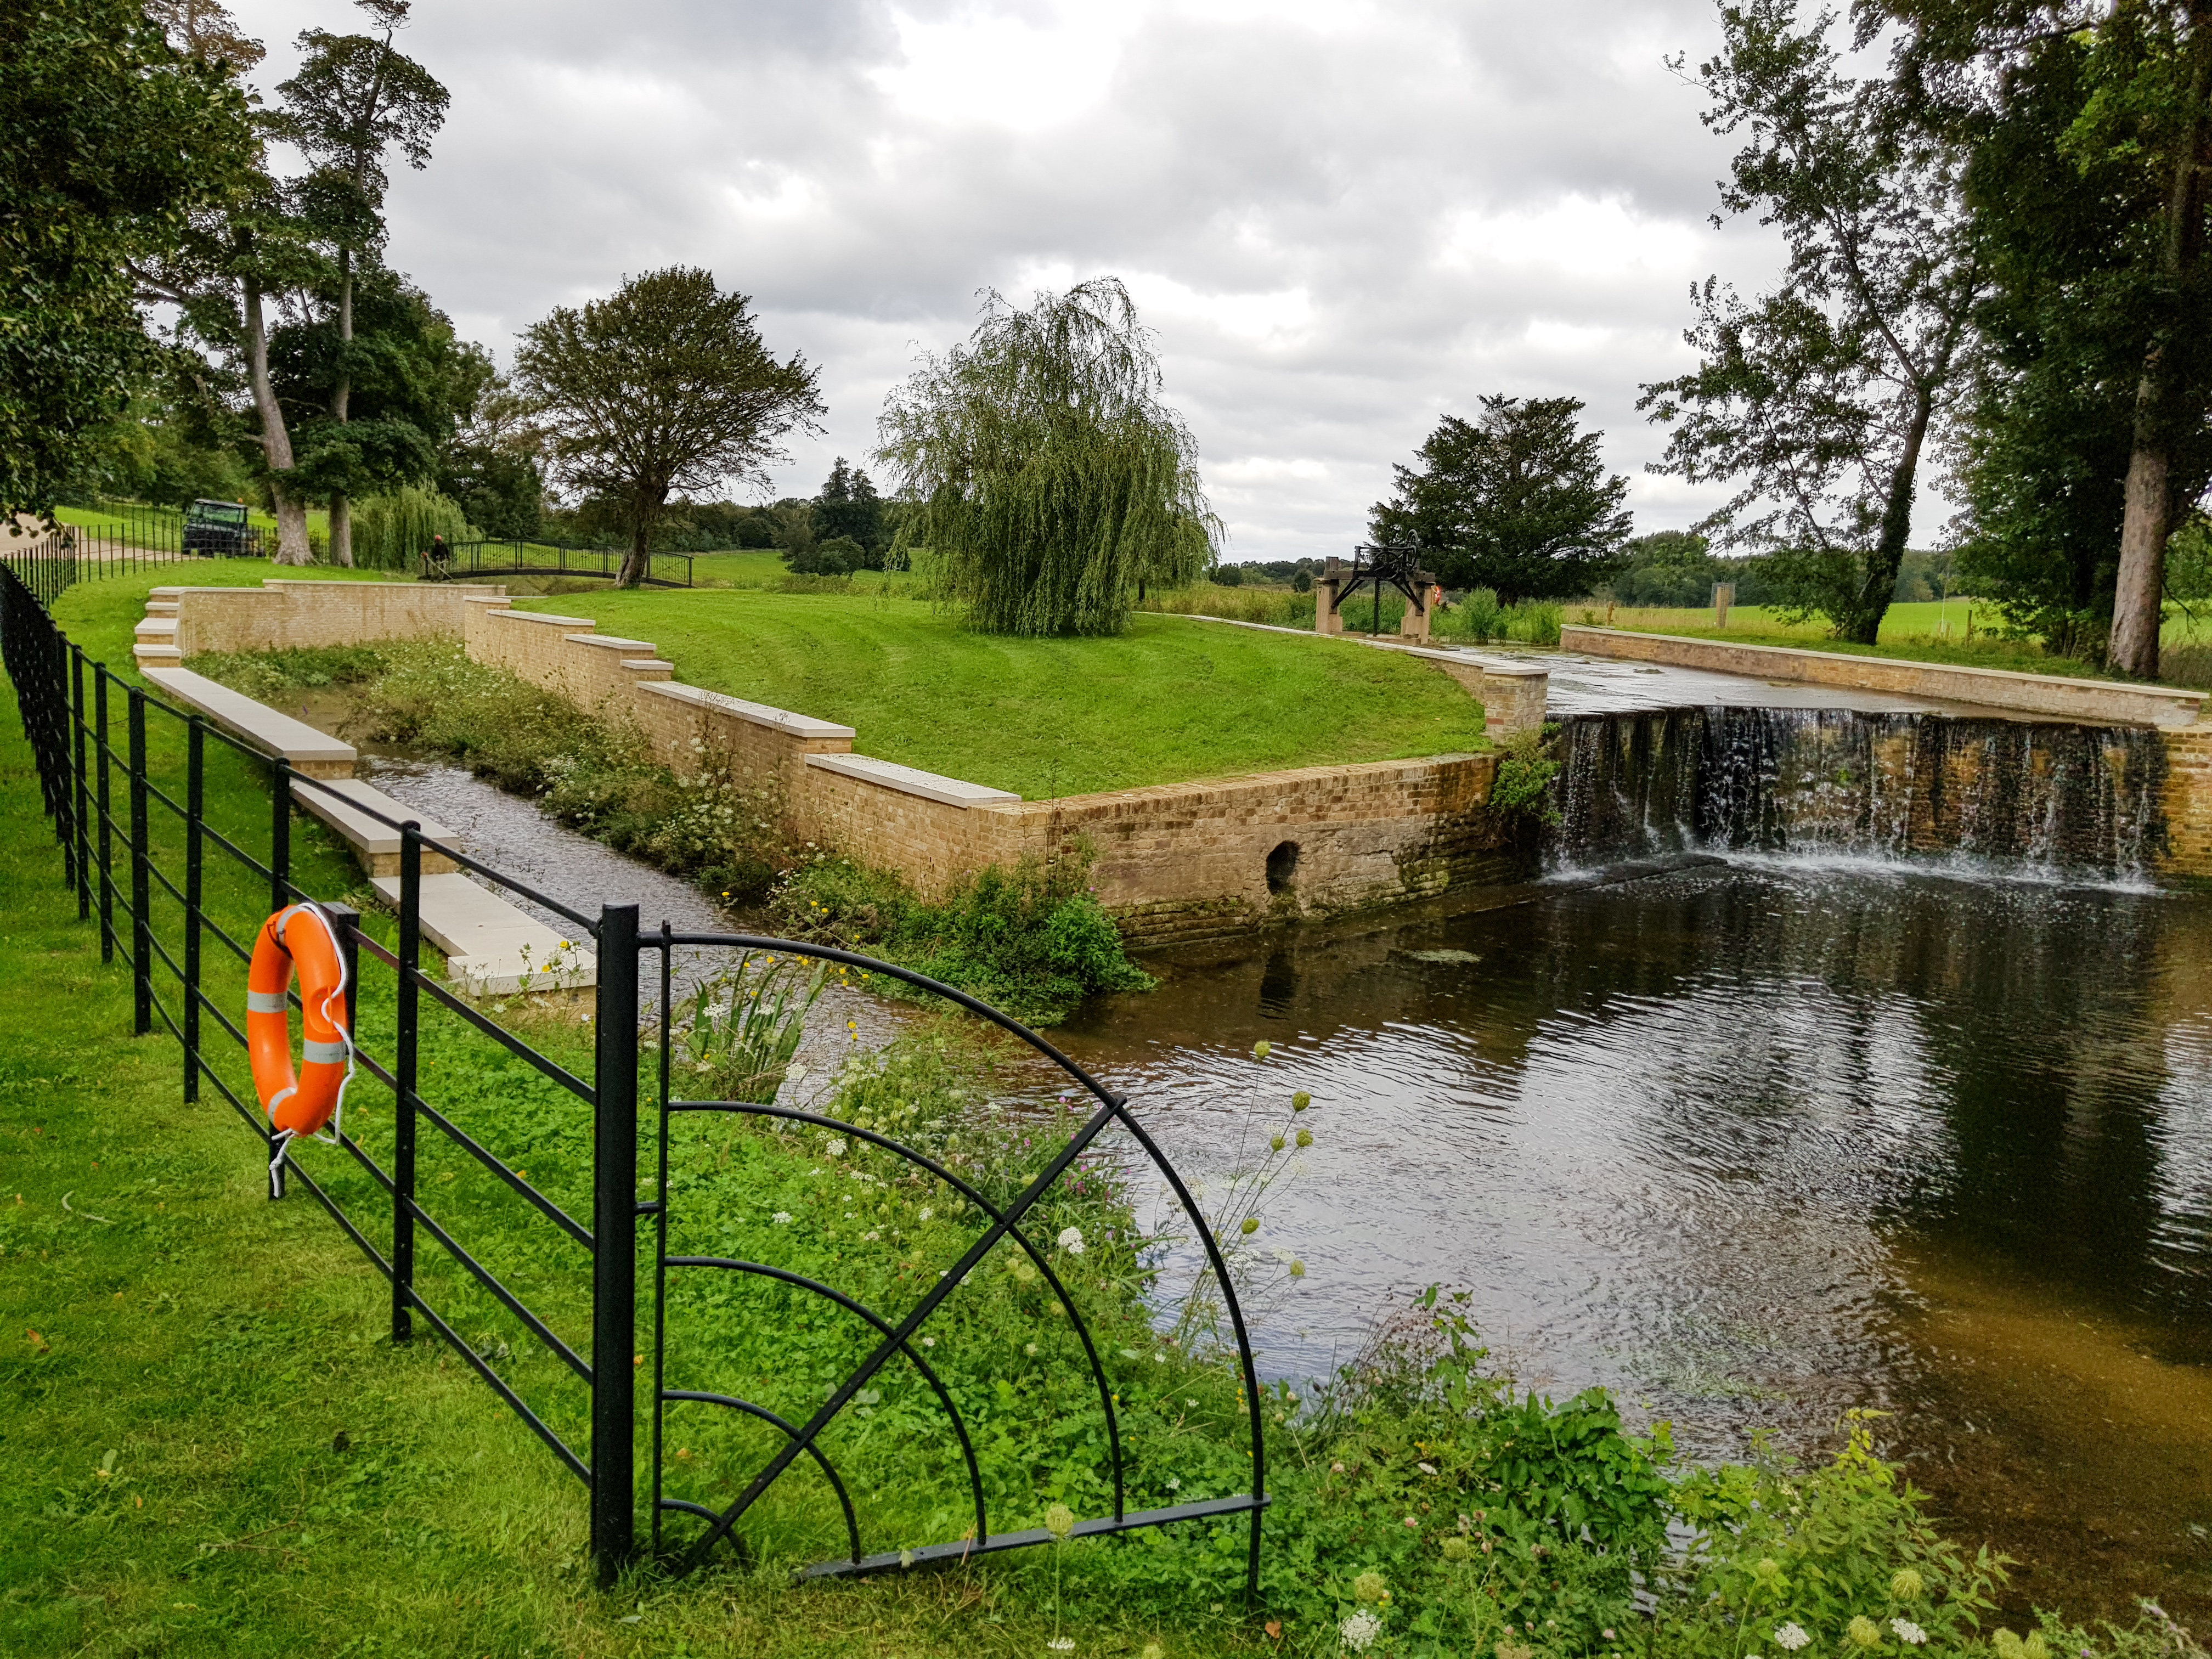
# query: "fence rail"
143,856
520,558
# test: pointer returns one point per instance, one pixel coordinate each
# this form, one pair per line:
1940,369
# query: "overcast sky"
1343,220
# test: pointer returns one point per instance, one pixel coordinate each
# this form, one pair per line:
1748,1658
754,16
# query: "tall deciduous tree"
353,98
1517,501
111,139
1055,481
2092,136
1819,401
665,386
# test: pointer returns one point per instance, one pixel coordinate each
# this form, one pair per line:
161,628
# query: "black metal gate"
138,837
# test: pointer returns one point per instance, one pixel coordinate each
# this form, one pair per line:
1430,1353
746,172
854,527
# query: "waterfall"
2041,798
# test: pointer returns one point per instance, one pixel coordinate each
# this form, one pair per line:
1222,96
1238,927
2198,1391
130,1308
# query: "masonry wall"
1173,862
2187,801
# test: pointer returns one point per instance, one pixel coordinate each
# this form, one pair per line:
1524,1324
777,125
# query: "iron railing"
522,557
150,897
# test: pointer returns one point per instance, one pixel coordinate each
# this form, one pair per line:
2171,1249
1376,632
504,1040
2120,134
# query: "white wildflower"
1792,1636
1071,1240
1359,1631
781,1218
834,1147
925,1212
1908,1632
1061,1645
794,1073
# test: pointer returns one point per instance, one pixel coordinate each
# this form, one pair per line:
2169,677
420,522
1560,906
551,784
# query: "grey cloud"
1225,160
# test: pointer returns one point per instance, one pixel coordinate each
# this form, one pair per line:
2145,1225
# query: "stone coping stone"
490,945
341,807
648,664
612,642
953,791
2096,701
547,618
256,724
155,625
783,720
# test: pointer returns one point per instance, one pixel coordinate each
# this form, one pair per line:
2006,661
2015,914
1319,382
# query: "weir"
2058,800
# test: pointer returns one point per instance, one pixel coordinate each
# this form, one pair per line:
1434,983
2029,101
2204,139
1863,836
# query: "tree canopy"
1517,501
663,387
1054,481
112,138
1819,400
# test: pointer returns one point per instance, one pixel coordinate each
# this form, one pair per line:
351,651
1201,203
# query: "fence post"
402,1072
141,927
195,867
280,835
77,782
347,922
106,818
614,1245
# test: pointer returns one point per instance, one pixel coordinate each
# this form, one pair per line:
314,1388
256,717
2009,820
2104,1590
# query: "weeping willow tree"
389,530
1054,481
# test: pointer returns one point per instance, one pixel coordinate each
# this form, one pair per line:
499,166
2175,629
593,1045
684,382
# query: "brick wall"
2188,806
305,612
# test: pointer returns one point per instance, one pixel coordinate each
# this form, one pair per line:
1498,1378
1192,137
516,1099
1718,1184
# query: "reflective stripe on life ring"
298,936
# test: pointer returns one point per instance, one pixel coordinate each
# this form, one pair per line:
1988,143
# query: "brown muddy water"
1752,1143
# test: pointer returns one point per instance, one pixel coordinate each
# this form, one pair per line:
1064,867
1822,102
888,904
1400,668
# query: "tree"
492,464
1053,480
2091,135
354,98
665,386
113,139
1819,401
1517,501
848,507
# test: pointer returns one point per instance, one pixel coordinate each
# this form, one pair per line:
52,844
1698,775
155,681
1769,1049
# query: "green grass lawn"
1171,699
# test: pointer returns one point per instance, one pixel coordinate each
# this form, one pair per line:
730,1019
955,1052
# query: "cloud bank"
1343,220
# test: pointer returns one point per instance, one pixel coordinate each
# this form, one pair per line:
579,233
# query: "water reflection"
1753,1144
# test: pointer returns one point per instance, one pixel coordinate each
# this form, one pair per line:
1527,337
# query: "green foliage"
1033,940
1055,483
1816,401
848,508
744,1025
112,140
264,675
1480,616
390,531
1526,769
665,386
1275,606
1517,501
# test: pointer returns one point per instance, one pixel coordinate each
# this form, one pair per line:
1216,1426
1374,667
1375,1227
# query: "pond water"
1756,1141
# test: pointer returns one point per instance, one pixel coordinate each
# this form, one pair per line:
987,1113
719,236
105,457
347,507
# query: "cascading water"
2047,799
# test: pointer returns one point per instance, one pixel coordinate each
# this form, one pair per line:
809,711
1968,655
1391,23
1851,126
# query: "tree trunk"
276,438
2148,517
341,397
637,561
1864,627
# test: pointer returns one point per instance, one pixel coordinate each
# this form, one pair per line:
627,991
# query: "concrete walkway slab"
491,946
255,724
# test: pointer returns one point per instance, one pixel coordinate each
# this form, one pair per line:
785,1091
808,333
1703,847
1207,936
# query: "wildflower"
1359,1632
1906,1585
1792,1636
1275,1144
1298,1270
1369,1587
1060,1644
1305,1139
1908,1632
928,1341
1174,1483
1457,1548
1863,1631
1153,1650
834,1147
1059,1521
906,1558
1029,1348
926,1213
1336,1469
1160,1359
781,1218
1071,1240
1250,1225
1300,1101
794,1072
1412,1525
1262,1049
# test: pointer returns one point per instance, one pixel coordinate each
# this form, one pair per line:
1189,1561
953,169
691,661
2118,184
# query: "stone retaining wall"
1174,862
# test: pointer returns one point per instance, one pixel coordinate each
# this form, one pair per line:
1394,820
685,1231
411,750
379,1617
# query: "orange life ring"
299,935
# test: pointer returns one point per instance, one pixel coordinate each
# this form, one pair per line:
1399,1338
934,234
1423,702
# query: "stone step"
341,805
160,630
491,946
256,724
157,656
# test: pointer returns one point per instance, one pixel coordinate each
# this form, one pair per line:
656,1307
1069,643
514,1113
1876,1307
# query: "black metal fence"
178,891
126,538
520,557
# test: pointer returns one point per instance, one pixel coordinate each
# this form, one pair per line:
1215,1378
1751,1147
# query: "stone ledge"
2094,702
953,791
346,806
546,617
612,642
316,753
782,720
